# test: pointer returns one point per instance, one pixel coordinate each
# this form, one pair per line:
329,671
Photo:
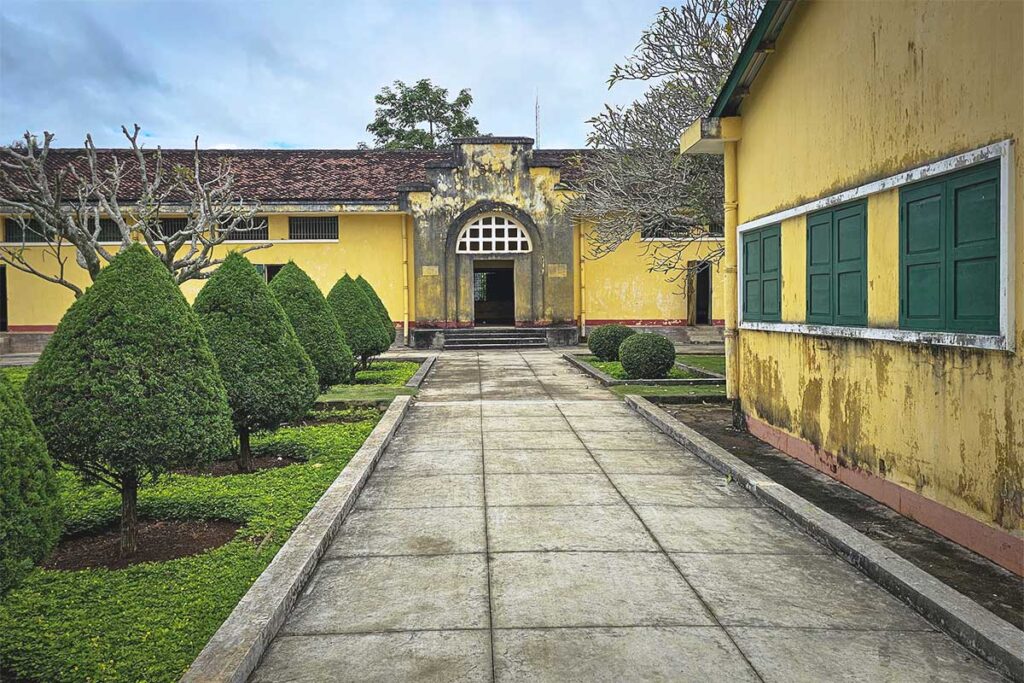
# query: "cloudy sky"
267,73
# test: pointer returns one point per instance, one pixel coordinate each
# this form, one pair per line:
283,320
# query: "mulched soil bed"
159,541
223,468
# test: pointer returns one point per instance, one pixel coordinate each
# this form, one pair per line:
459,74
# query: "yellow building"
874,252
472,236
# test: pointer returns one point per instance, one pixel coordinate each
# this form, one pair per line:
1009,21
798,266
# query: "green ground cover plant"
656,392
16,375
616,371
382,381
710,363
148,622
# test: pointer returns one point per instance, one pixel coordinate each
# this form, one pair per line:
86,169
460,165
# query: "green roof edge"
764,21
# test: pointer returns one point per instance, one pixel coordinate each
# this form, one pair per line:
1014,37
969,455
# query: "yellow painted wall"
857,91
369,245
620,287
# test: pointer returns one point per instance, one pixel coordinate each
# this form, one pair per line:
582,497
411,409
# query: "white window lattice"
491,235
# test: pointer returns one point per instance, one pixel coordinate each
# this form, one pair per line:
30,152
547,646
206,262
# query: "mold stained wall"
858,91
369,244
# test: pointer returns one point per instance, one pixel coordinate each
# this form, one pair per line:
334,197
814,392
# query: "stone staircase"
494,338
705,334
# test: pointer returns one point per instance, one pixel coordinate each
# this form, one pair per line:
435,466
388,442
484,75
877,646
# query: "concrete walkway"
525,525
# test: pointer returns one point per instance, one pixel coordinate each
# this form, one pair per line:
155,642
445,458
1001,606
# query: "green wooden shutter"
972,244
819,268
922,257
849,268
752,276
771,274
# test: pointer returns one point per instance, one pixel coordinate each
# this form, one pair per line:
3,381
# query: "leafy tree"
315,325
127,387
29,503
421,116
269,378
359,320
382,310
633,178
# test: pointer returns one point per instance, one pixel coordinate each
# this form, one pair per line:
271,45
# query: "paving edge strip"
607,380
233,652
421,374
997,641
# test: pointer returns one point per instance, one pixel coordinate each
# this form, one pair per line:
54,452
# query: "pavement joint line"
707,607
981,632
487,536
235,649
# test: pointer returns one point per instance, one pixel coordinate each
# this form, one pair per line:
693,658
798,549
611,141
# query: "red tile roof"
306,175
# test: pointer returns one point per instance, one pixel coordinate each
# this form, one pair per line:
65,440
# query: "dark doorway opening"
3,299
703,313
494,293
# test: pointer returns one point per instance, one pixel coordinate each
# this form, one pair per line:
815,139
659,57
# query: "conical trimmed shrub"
127,387
360,322
315,325
269,378
382,310
29,505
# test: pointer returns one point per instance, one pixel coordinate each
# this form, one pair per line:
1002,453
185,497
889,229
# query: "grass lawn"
709,363
148,622
615,369
384,380
659,391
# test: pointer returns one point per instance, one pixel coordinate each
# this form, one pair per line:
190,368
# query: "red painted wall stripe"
31,328
996,544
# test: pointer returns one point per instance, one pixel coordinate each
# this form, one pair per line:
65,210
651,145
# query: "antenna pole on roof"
536,118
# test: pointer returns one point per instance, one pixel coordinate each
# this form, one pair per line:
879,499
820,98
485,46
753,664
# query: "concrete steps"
494,338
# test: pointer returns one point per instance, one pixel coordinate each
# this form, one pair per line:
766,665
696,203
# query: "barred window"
312,227
260,231
493,234
15,233
169,226
109,231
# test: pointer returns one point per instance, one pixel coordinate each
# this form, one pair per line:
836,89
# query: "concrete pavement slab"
701,489
413,462
570,527
673,461
411,531
725,530
550,489
400,491
561,461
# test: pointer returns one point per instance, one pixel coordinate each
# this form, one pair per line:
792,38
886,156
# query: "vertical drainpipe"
405,278
732,370
583,288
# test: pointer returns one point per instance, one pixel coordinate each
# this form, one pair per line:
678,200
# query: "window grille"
109,232
493,234
169,226
260,231
312,227
14,232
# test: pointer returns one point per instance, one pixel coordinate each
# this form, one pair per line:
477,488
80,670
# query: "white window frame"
1004,341
466,243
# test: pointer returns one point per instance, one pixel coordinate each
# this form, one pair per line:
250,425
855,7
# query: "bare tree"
634,178
58,205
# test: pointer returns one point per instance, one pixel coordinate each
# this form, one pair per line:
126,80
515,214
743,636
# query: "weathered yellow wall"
620,287
369,245
854,92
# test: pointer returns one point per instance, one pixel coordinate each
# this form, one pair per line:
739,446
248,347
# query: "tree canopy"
420,116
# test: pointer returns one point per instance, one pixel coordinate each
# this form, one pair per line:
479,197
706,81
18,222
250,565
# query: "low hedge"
647,356
604,342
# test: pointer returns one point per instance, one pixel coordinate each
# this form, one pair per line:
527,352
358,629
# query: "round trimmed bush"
359,320
604,342
127,387
382,310
647,356
29,504
269,378
315,325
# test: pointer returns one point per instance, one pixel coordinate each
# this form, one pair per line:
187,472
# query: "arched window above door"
493,234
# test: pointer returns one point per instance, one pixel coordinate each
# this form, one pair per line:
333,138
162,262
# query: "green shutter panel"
922,257
972,243
752,276
771,274
819,268
850,277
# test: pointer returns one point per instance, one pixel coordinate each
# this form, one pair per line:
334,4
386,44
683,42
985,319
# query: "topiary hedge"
364,330
315,325
382,310
647,356
127,387
604,342
30,522
269,378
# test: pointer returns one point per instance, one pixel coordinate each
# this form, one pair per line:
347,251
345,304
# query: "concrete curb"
235,649
416,380
607,380
966,621
700,372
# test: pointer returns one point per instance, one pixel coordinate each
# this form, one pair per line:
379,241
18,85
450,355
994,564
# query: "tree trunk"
244,451
129,515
